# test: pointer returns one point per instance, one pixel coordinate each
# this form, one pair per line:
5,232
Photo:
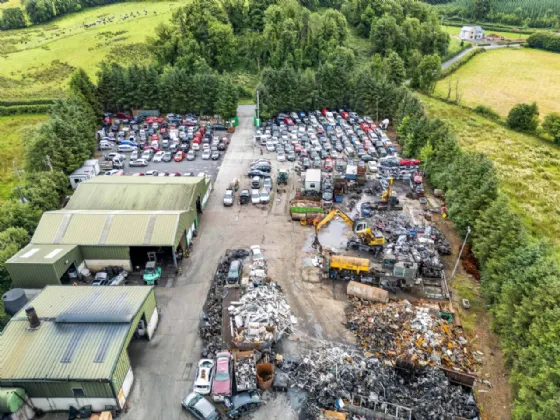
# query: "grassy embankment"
37,61
529,168
503,78
13,130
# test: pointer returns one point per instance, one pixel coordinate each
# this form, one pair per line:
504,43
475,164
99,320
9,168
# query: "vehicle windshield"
228,194
222,376
255,195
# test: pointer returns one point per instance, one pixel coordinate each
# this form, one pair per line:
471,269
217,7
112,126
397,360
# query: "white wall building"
471,33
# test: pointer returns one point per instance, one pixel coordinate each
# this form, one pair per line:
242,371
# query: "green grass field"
502,78
529,168
12,130
454,31
37,61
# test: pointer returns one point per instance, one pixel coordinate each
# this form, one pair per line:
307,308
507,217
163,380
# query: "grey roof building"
77,355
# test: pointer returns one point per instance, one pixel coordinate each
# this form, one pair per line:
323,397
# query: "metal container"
362,291
14,300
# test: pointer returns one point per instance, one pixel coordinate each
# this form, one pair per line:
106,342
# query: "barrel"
14,300
362,291
11,399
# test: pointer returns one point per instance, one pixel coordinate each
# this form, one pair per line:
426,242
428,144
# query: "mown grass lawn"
37,61
529,168
13,130
505,77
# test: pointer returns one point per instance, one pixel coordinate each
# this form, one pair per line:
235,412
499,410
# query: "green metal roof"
138,193
81,335
41,254
113,228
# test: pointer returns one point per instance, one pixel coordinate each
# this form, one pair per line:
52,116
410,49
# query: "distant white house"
469,33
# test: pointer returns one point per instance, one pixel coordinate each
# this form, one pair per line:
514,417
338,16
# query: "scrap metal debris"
339,377
399,331
262,314
245,371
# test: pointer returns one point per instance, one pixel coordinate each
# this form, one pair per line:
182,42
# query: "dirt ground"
495,401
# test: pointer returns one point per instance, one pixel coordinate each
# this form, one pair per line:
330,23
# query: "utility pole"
377,109
18,173
48,162
460,253
258,105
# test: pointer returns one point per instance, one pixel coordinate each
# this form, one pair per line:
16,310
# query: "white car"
204,376
206,154
270,146
105,145
228,198
158,156
264,196
257,253
195,146
281,157
255,197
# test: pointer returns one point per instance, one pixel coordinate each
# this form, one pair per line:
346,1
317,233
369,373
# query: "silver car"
206,154
200,407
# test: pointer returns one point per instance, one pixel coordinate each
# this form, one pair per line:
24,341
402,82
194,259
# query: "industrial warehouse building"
111,221
77,354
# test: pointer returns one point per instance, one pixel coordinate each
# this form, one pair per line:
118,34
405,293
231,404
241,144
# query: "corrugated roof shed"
113,228
42,254
137,193
81,335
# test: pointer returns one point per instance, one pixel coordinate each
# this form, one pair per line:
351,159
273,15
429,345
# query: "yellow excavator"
367,240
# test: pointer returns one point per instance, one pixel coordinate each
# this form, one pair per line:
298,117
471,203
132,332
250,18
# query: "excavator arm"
331,216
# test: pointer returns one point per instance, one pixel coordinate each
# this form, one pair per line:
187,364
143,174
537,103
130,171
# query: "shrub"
551,125
524,117
545,41
487,112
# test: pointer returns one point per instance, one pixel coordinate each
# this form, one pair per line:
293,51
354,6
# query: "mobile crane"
365,240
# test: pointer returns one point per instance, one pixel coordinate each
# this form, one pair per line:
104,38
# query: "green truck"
302,209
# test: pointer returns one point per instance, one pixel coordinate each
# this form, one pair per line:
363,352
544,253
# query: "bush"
545,41
551,125
524,117
487,112
12,18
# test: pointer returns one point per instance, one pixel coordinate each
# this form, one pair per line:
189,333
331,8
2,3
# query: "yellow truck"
343,263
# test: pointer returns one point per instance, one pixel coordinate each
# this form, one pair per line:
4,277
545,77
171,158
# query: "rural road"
449,62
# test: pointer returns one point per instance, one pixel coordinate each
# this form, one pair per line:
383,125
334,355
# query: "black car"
262,168
256,172
244,197
219,127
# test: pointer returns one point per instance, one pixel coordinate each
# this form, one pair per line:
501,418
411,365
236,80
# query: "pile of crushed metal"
210,325
415,333
364,386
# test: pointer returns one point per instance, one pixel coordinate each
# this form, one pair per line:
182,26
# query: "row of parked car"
157,140
319,138
261,185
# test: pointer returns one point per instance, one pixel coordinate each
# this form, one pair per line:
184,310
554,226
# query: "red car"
328,165
163,174
344,115
163,130
159,120
179,156
298,147
175,174
409,162
123,116
222,385
150,120
155,149
324,112
138,174
365,127
154,137
225,139
288,121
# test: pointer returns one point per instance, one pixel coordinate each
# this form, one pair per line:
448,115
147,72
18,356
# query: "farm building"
68,346
111,221
470,33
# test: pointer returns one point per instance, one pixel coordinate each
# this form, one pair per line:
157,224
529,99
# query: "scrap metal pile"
262,314
210,326
401,331
333,376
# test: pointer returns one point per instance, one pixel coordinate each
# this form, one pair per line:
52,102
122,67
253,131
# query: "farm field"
454,31
528,167
10,3
505,77
12,131
38,61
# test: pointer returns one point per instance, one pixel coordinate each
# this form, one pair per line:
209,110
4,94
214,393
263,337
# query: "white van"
125,148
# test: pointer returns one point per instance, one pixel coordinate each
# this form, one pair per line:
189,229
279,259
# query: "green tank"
11,399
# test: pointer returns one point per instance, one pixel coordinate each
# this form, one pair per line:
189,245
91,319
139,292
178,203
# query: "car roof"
244,398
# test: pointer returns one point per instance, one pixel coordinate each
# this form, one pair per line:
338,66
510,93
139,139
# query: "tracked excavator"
365,239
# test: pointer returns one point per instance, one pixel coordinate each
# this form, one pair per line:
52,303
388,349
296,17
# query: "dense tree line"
232,34
545,41
520,275
55,149
176,89
536,14
40,11
12,18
